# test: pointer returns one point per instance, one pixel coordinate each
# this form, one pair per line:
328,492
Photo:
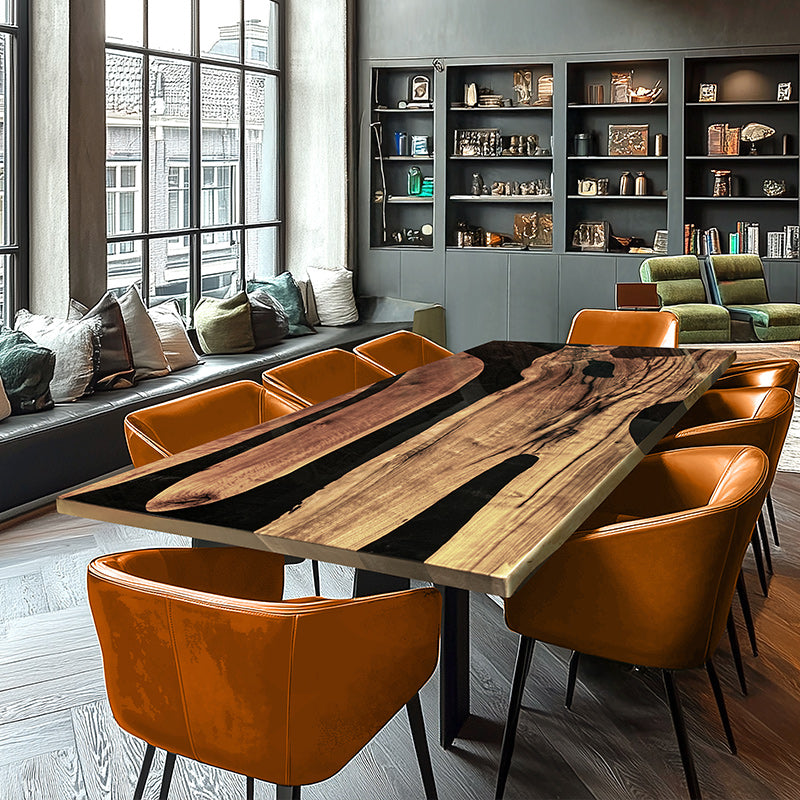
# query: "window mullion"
195,155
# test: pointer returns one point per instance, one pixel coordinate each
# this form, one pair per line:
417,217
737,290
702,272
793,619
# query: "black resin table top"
469,471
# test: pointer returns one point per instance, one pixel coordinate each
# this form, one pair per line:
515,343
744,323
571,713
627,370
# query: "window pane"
169,271
261,254
124,21
170,25
261,33
261,148
3,284
219,29
6,127
169,142
124,265
220,264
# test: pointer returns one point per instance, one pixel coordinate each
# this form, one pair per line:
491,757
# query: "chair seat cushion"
701,322
772,321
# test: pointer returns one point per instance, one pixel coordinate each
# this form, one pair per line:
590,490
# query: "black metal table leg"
366,583
453,664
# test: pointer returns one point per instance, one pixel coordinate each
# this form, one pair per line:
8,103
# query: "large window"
193,184
13,157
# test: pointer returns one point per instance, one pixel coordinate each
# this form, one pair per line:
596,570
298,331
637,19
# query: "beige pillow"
171,331
148,355
308,301
223,324
333,294
5,405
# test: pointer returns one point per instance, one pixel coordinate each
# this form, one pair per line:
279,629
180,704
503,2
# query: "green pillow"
284,289
26,369
223,324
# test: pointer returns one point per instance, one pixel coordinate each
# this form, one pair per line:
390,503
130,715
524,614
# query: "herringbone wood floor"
58,739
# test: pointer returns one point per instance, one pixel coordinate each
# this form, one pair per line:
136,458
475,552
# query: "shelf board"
403,110
732,103
408,199
617,158
401,247
514,198
501,158
503,110
744,158
744,199
616,197
405,158
616,106
457,249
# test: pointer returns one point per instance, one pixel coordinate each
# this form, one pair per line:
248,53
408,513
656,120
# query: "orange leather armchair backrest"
624,328
764,374
168,428
401,351
209,667
321,376
653,588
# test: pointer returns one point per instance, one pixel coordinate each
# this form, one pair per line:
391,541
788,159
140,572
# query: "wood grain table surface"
468,472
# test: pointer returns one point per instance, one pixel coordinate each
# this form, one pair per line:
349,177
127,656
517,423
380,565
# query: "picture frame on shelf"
587,187
708,93
419,89
592,236
784,92
628,140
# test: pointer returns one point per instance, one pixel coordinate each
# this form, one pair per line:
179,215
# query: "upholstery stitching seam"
288,760
180,679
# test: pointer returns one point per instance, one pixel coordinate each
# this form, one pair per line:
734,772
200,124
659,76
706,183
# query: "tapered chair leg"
680,733
762,576
762,532
744,602
720,698
166,778
251,789
315,571
287,792
417,725
524,656
149,752
572,676
737,656
771,512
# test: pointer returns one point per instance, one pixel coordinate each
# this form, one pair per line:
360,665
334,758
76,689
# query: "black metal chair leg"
287,792
680,733
149,752
719,697
524,657
744,602
315,571
737,656
771,512
762,532
166,778
251,789
417,725
762,576
572,677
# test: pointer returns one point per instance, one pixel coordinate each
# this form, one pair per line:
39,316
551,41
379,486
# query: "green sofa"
737,283
680,289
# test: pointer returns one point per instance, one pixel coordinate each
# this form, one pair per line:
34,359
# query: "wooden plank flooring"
59,740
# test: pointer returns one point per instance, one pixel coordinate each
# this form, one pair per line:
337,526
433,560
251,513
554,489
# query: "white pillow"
76,347
333,294
171,331
148,356
5,406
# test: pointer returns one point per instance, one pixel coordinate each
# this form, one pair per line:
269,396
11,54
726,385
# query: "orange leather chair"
201,660
652,583
631,328
776,372
401,351
321,376
168,428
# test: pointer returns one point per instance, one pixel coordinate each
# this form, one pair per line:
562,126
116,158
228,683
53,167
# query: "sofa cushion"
76,346
747,291
149,360
690,290
223,324
772,322
26,369
333,295
171,331
268,319
701,322
116,361
284,289
5,405
309,304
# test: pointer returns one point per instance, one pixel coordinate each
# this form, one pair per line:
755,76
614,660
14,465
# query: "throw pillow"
284,289
171,331
149,360
308,302
5,406
333,294
223,324
27,370
268,319
116,363
76,345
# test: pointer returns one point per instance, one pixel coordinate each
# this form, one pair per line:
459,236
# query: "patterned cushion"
26,369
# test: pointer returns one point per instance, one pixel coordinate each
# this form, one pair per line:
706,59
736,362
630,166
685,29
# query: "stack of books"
746,239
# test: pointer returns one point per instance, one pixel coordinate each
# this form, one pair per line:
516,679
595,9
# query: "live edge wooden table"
468,472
